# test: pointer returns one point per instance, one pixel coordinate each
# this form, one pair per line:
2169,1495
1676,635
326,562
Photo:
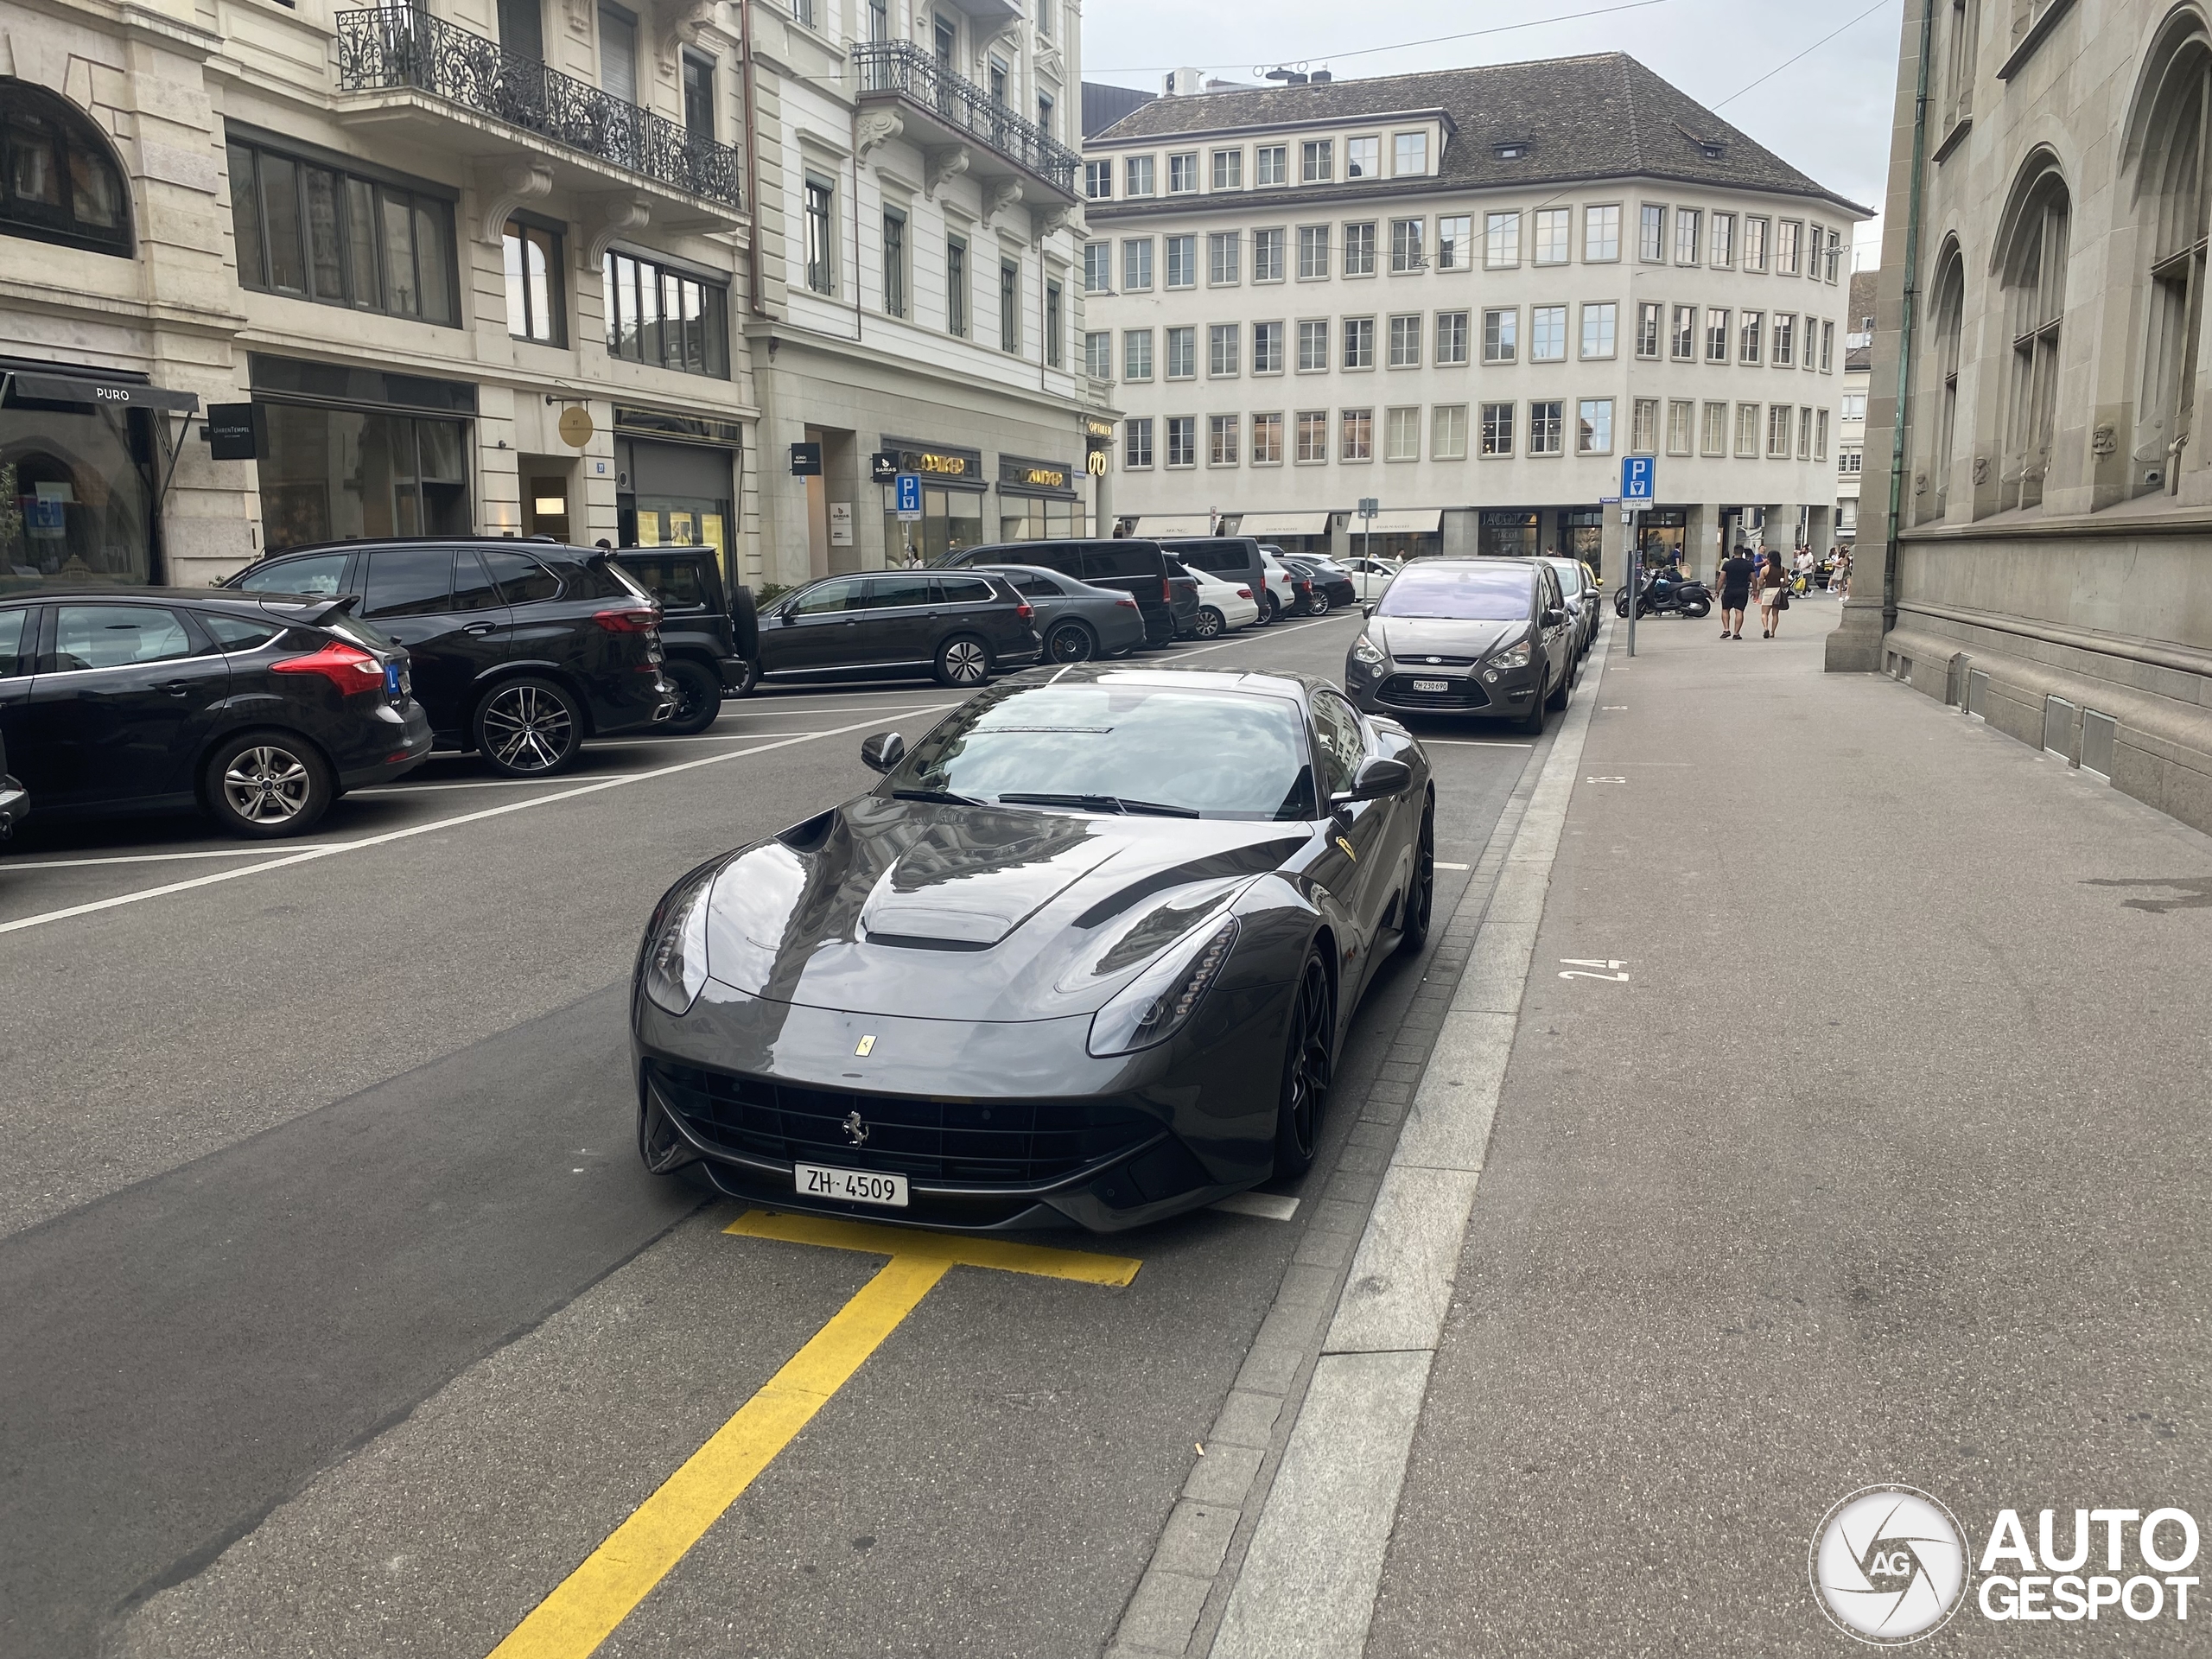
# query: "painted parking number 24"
1582,967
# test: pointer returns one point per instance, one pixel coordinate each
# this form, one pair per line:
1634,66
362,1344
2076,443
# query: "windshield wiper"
937,797
1103,803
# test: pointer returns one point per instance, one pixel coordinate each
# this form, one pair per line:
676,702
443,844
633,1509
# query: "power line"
1808,52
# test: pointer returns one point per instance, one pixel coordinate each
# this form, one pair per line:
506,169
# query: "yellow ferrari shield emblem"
866,1043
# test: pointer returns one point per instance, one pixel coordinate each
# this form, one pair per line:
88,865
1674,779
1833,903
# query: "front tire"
1070,642
698,698
1565,691
1269,608
1531,723
529,728
1420,893
264,786
1211,624
962,662
1319,605
1306,1066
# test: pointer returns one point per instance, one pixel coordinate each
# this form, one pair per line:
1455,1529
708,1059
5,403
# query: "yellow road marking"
587,1605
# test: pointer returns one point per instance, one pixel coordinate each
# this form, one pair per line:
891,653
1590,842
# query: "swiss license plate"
852,1185
1431,685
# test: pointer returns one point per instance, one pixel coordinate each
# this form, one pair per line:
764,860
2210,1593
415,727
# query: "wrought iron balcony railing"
394,46
902,67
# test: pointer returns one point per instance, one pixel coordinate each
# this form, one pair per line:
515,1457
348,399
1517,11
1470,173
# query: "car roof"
1265,682
187,596
538,545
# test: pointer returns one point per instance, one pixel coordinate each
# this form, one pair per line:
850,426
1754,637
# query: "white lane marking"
1251,637
1268,1206
478,783
1441,865
1474,743
260,849
309,855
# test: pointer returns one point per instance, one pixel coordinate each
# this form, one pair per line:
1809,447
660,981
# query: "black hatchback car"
259,711
958,624
1136,568
521,650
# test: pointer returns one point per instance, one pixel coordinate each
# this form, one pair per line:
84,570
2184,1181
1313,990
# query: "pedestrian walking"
1774,596
1734,578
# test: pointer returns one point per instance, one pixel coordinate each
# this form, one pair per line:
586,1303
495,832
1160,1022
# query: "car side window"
520,578
15,630
674,582
473,589
1342,746
892,592
115,636
1037,587
409,581
841,594
237,632
319,574
1118,563
954,590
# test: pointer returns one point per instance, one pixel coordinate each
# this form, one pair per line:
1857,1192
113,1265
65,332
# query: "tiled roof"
1605,115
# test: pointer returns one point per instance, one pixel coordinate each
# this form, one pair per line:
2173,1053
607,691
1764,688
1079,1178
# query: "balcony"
954,112
398,49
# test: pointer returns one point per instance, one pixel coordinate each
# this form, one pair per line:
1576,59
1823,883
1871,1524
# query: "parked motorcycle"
1691,598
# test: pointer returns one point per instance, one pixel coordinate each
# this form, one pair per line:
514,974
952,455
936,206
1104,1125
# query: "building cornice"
1314,124
1101,212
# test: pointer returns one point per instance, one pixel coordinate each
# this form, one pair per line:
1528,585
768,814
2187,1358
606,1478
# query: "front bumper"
1388,689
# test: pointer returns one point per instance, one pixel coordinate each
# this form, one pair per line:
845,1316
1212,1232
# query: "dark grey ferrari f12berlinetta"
1087,954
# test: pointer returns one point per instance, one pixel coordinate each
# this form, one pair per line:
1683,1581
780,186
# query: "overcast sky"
1828,114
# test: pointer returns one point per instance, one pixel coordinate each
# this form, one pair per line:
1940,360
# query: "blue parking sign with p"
908,486
1638,477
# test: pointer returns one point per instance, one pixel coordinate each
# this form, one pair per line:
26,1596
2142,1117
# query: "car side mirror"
1367,609
1554,615
883,751
1376,778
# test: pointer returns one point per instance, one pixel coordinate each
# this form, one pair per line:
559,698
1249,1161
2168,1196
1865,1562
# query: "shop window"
536,305
76,494
314,233
60,182
665,319
405,475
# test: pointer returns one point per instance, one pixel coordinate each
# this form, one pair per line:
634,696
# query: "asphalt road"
340,1318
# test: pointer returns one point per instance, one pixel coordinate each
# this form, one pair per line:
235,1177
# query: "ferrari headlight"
674,964
1154,1005
1364,649
1514,655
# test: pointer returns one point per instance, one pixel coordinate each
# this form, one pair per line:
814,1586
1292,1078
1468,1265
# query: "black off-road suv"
711,634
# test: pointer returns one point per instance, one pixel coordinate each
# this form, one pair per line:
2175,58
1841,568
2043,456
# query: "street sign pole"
1369,507
1639,479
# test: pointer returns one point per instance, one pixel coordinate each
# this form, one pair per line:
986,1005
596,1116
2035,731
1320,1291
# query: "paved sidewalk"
1887,1163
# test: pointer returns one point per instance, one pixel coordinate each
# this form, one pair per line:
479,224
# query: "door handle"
480,627
177,688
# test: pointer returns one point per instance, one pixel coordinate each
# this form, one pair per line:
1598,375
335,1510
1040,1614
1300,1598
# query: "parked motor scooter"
1664,597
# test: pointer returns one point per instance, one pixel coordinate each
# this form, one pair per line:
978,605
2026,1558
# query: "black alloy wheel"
748,677
1317,603
267,784
698,698
1269,609
1421,892
963,661
1306,1063
1211,624
529,728
1069,642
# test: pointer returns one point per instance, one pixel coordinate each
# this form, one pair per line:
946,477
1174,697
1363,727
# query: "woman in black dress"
1735,592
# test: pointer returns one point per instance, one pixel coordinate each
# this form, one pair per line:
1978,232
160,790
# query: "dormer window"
1711,149
1362,158
1509,150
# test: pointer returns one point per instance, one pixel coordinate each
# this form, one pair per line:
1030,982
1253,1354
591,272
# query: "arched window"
59,181
1947,319
2173,202
2033,271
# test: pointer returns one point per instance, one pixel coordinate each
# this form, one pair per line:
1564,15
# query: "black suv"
521,649
260,711
1135,567
1233,558
710,640
957,625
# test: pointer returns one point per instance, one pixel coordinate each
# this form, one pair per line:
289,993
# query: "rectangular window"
1748,334
536,302
1362,158
1821,436
1833,259
1777,432
1098,354
821,234
1454,245
1098,180
1410,159
1266,439
1712,430
1547,333
1098,267
316,234
1652,234
1682,422
1450,338
1270,165
1406,246
1182,353
1182,261
1650,323
1136,444
618,52
1313,252
1229,169
1312,348
1804,433
1359,248
1685,234
1724,240
1546,421
1221,346
1055,326
1500,325
1316,161
1643,437
1501,241
1716,334
1266,255
1402,435
1447,432
1854,406
1785,340
1747,431
1599,324
1182,179
1136,265
1681,342
1788,246
1497,429
1405,341
1137,177
1267,348
1359,343
1224,252
698,95
1601,235
894,262
1357,428
1009,306
1593,427
665,318
1755,235
1182,440
1313,435
1136,354
1222,433
1828,347
955,287
1550,233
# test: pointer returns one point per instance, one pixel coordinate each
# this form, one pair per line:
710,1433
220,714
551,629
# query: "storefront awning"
66,388
1284,523
1174,524
1399,521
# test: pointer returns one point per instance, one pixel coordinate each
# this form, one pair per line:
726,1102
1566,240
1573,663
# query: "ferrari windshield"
1460,592
1113,745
